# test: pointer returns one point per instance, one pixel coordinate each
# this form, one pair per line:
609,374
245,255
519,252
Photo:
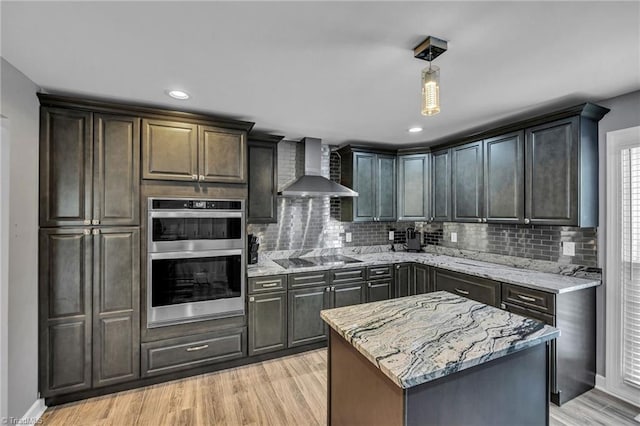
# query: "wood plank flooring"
285,391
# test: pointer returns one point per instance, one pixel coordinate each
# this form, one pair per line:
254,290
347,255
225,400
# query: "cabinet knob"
479,220
86,222
328,289
95,222
333,288
86,231
397,266
369,285
252,299
527,221
484,219
194,177
96,232
201,178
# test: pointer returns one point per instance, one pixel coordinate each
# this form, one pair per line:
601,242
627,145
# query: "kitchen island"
436,358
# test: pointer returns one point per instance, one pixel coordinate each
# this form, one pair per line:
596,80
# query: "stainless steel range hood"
312,184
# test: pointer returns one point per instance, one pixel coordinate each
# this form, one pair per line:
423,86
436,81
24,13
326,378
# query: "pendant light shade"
428,50
430,90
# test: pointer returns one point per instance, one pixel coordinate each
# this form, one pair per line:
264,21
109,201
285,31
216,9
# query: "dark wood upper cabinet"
441,185
66,167
116,169
372,174
414,187
222,155
169,150
262,205
504,178
552,173
467,182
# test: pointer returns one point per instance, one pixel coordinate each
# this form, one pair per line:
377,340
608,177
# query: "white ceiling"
340,71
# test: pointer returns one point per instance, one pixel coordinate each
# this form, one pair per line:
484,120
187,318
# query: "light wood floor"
285,391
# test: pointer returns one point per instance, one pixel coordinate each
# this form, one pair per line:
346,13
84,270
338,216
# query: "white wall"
20,105
4,265
625,112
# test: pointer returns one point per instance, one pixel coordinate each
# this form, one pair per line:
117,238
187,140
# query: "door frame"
615,142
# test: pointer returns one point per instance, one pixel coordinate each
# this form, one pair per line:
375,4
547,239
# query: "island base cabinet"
267,323
507,391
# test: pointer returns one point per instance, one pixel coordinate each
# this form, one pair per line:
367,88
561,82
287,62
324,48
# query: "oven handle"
191,254
194,214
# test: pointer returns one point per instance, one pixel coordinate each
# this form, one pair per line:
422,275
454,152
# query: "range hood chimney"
312,184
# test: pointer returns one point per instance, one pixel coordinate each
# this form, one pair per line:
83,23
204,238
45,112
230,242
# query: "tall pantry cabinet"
89,254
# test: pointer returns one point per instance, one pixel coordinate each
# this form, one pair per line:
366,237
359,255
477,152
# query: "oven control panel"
184,204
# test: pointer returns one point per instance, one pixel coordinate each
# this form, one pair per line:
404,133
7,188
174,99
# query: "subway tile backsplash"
306,223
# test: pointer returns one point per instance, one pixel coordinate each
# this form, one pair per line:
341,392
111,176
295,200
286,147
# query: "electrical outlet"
347,237
569,248
391,235
454,237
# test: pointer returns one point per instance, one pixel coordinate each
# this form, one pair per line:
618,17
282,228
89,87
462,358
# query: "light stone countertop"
416,339
553,283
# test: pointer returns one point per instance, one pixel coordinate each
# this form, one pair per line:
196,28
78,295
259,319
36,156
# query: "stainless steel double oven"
195,260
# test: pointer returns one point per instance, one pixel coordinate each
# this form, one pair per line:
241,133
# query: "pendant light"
428,50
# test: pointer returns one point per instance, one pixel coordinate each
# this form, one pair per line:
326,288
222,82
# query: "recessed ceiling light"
415,129
178,94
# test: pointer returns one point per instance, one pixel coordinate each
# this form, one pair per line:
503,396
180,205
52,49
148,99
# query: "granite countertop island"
416,339
436,358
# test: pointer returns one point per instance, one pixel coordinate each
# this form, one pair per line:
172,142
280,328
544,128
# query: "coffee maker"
413,240
252,242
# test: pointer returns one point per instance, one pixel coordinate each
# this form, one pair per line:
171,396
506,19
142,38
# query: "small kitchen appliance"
413,240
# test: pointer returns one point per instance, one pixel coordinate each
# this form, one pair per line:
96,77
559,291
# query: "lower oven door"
194,286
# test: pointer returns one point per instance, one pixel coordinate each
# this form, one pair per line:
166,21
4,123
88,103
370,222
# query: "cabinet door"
379,290
305,324
222,155
364,183
65,167
169,150
504,178
116,305
263,182
116,170
65,310
480,289
422,279
403,280
348,294
413,187
467,182
552,173
386,188
267,323
441,185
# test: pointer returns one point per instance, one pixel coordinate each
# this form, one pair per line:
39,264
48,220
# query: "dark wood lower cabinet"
476,288
304,323
379,290
89,308
267,322
347,294
422,279
403,279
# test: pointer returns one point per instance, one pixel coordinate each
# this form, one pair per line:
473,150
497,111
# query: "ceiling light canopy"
428,50
178,94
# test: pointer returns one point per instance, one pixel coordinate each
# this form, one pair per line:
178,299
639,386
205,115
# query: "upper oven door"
195,230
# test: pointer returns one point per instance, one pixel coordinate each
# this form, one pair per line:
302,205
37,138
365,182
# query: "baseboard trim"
34,413
601,385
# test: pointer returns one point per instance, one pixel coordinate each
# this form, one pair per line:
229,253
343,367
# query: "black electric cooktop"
305,262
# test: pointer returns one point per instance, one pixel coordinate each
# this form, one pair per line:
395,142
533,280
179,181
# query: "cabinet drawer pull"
465,292
526,298
380,272
270,285
197,348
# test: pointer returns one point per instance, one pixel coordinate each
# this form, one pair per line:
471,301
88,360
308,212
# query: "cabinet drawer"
529,298
308,279
530,313
340,276
264,284
480,289
187,352
379,272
